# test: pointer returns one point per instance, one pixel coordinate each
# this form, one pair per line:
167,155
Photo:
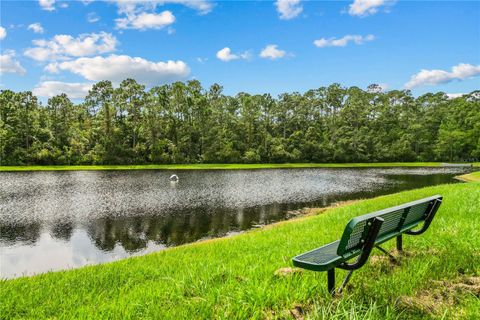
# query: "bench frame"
371,241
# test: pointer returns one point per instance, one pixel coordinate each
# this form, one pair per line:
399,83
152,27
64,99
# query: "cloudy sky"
279,46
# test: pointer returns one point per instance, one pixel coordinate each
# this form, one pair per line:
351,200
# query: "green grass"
221,166
234,278
470,177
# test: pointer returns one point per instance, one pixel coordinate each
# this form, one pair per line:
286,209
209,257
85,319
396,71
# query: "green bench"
365,232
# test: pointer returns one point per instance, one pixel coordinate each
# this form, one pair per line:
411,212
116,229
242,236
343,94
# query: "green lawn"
234,278
469,177
221,166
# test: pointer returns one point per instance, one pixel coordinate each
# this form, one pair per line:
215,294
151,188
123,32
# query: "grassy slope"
234,277
470,177
221,166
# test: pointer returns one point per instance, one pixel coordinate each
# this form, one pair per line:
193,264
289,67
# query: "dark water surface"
59,220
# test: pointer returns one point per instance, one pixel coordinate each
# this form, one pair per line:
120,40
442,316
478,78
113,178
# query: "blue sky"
255,46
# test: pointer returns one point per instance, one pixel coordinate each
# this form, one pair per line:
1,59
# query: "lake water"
59,220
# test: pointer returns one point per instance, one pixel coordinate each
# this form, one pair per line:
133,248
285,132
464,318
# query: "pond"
59,220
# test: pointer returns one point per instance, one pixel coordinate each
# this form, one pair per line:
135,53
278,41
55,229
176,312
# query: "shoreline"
469,177
165,167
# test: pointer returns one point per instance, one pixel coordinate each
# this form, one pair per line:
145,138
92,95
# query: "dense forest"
184,123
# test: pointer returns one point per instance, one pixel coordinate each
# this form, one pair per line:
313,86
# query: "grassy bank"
235,278
222,166
470,177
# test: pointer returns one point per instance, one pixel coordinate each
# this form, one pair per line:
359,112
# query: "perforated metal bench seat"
365,232
320,259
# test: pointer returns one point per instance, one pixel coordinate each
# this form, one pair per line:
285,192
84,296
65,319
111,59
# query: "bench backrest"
397,220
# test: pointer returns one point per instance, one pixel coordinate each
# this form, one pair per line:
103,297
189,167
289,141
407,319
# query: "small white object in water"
173,177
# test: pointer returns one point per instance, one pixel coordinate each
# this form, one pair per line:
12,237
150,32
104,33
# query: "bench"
365,232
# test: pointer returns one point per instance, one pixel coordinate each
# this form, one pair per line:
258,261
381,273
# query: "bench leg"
399,243
392,258
331,280
345,281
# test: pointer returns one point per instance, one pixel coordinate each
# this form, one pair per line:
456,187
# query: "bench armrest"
376,223
428,219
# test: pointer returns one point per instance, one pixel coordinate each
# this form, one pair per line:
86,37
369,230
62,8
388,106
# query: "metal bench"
365,232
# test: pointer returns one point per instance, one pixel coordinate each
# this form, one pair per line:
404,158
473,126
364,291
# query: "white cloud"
92,17
288,9
137,6
363,8
271,52
8,64
226,55
36,27
63,46
63,5
49,89
119,67
3,33
142,15
384,86
52,67
48,5
461,71
455,95
342,42
202,6
145,21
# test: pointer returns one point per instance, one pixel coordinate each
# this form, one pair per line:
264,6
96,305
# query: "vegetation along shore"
210,166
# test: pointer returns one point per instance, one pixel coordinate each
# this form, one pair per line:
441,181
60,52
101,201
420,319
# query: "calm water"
59,220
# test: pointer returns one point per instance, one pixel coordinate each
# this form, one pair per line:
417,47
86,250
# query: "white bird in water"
173,177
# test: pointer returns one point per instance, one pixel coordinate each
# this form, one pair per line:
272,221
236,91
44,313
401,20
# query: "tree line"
185,123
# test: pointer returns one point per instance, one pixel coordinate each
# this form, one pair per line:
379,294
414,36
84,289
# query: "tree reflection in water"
62,230
133,233
24,234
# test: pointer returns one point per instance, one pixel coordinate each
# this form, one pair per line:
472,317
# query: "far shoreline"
226,166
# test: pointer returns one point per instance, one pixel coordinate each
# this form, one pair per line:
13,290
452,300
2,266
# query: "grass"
222,166
470,177
234,278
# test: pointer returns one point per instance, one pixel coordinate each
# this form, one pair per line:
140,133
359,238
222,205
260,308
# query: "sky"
50,47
